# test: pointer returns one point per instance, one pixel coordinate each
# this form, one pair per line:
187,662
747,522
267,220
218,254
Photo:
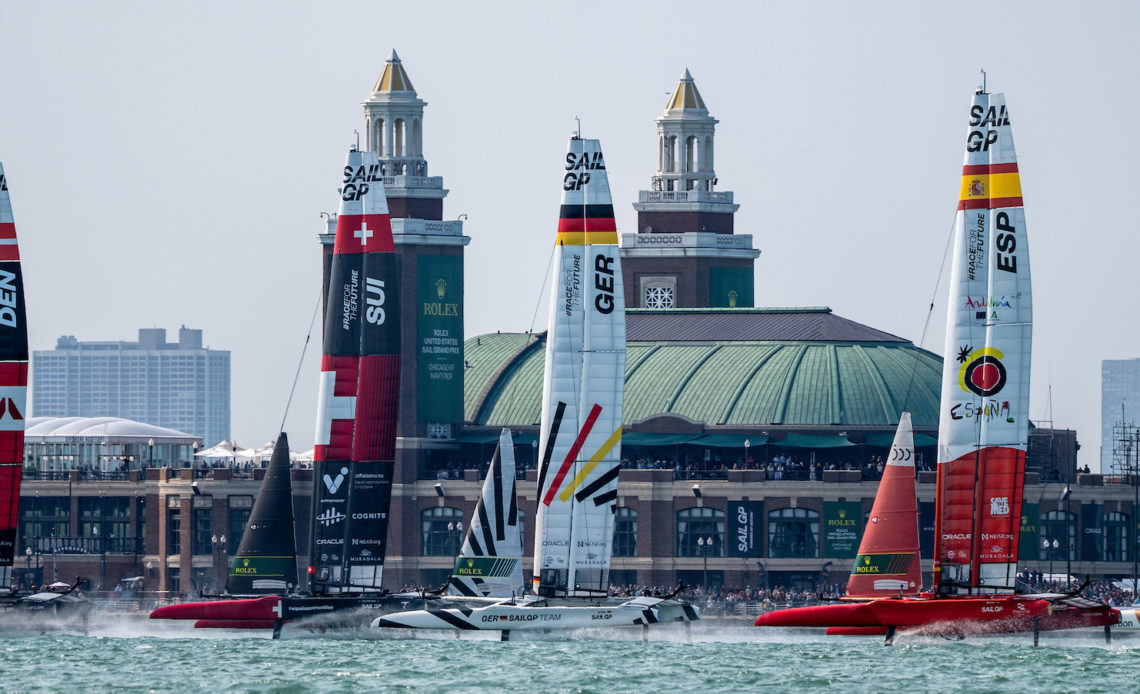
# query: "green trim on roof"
812,441
639,438
729,440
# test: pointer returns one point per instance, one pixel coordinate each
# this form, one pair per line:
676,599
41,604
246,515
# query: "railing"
688,240
47,546
684,196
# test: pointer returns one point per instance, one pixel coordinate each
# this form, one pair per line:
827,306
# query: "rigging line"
297,376
545,279
930,310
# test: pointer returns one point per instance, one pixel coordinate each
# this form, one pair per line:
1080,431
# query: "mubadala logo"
330,517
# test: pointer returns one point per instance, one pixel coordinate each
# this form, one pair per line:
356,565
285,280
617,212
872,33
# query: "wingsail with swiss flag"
359,388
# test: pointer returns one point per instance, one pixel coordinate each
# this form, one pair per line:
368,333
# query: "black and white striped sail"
583,387
490,561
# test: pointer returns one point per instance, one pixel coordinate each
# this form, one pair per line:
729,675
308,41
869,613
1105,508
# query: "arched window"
625,532
442,531
1058,536
417,139
399,138
691,154
1115,537
707,155
378,137
701,524
671,153
793,532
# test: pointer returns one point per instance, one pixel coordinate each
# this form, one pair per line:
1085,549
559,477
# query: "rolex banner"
842,527
439,338
1028,548
745,529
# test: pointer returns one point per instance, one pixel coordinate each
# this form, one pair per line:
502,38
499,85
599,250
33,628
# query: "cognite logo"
333,484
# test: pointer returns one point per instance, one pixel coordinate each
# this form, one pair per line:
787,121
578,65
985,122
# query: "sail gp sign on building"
745,536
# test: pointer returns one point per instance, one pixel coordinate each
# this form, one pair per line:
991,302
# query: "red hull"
234,624
264,609
1005,614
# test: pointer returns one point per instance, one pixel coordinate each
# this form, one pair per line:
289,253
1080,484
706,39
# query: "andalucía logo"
982,372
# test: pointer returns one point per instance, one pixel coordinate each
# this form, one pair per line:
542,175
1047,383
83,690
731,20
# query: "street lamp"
705,546
150,455
218,544
454,532
28,554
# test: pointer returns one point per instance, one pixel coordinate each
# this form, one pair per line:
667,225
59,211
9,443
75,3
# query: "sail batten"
583,386
984,426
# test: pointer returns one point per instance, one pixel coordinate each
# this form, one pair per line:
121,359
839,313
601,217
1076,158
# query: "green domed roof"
802,368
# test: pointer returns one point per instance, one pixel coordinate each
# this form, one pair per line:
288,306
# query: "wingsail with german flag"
583,387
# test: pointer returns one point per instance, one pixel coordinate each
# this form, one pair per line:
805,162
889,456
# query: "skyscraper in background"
180,385
1119,401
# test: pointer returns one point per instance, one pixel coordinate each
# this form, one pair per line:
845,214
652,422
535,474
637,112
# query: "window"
202,526
658,297
625,533
695,526
793,532
442,531
44,517
1055,527
239,516
107,517
1115,537
173,531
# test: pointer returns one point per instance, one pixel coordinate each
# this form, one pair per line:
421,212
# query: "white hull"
1129,619
539,615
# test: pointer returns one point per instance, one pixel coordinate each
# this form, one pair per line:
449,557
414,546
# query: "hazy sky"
168,162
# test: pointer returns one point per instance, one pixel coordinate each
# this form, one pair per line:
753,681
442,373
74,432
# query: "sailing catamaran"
13,405
984,421
356,423
583,389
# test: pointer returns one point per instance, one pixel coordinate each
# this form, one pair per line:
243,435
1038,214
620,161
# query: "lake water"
137,655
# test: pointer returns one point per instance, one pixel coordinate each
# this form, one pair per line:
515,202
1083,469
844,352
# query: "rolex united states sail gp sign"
842,524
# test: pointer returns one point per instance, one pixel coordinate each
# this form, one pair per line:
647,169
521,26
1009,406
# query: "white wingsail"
984,422
583,387
490,561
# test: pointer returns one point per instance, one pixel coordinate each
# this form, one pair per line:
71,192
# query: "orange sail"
888,563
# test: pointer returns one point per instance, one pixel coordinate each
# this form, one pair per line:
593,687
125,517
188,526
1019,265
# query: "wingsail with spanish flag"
984,421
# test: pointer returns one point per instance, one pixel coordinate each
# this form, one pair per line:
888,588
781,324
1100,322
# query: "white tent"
225,449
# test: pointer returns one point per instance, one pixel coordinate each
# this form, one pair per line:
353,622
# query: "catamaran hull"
522,618
1129,619
268,611
947,615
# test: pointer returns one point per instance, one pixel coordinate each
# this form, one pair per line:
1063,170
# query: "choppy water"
134,655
